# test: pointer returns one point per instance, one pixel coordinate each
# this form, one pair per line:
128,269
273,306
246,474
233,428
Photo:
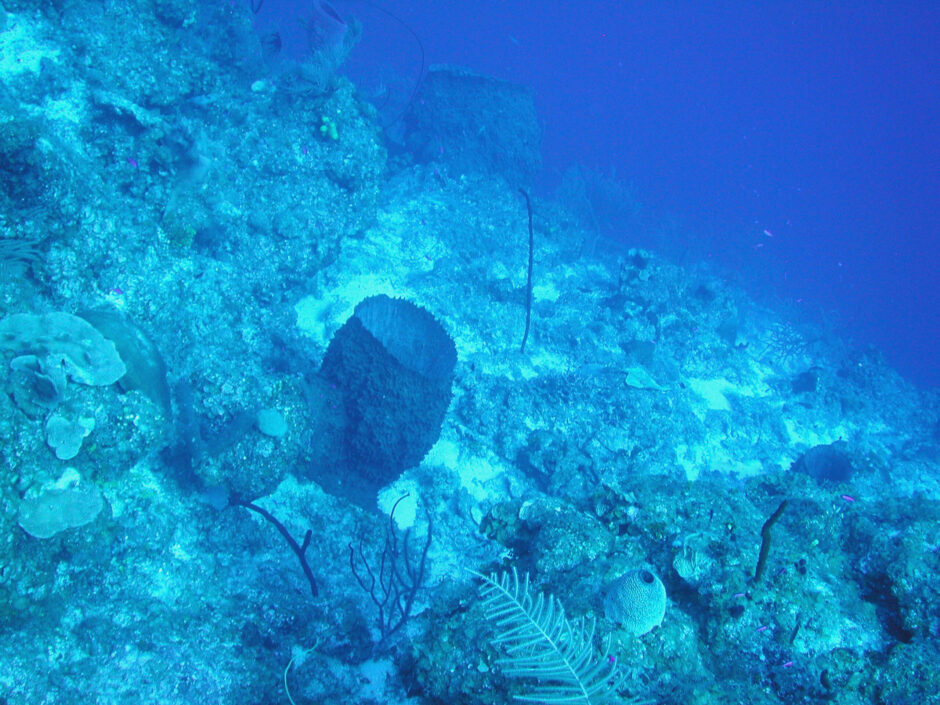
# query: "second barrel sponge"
636,601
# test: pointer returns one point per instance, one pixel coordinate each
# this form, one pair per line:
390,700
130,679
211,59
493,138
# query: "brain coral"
637,601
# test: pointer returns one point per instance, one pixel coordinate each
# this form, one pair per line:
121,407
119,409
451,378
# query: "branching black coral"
541,645
394,582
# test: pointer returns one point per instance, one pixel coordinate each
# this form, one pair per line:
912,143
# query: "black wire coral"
543,647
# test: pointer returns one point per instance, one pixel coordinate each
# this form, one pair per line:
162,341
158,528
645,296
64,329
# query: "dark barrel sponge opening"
410,334
393,364
826,463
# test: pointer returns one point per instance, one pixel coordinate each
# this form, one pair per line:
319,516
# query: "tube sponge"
637,601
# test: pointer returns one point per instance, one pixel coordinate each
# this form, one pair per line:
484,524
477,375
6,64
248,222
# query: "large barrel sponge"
393,364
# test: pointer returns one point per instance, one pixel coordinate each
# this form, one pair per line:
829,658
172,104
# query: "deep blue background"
815,121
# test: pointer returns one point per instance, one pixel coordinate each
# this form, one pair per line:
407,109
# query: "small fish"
768,233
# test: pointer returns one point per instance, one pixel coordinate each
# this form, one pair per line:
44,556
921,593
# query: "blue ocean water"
815,123
403,352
